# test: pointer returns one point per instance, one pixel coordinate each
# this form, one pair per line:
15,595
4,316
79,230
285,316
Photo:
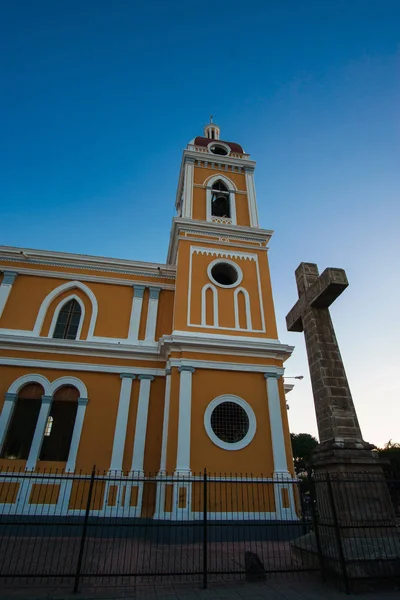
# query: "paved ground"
300,588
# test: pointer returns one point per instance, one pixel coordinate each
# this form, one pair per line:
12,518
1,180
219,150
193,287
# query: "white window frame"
250,415
232,201
232,264
57,311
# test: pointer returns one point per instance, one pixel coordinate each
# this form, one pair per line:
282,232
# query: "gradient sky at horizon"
99,99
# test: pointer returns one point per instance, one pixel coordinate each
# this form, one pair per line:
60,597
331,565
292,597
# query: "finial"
211,118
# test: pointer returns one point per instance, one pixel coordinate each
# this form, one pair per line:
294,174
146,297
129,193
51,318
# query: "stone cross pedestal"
351,490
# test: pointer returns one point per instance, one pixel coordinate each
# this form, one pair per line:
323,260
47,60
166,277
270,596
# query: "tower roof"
203,141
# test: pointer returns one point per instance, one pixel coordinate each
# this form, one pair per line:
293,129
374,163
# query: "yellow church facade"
149,370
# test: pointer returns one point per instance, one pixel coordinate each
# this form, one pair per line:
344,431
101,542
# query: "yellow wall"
256,458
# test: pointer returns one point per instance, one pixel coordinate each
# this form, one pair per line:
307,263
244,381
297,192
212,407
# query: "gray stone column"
6,415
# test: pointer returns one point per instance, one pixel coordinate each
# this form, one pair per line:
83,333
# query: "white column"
136,311
152,314
6,414
251,196
275,417
188,189
141,423
76,434
164,443
184,424
6,287
122,421
39,433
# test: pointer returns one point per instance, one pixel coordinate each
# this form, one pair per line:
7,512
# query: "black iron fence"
127,528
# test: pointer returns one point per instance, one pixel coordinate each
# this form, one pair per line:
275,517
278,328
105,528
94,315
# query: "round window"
230,422
224,274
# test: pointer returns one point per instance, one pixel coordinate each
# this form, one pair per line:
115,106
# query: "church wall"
165,313
200,263
201,174
256,458
173,421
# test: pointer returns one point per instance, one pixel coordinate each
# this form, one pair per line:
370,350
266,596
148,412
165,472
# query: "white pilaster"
164,443
184,424
6,287
275,417
136,312
152,314
6,414
141,423
76,434
188,189
251,195
39,433
122,422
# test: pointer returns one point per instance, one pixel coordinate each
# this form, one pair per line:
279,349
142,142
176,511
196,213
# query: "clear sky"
99,98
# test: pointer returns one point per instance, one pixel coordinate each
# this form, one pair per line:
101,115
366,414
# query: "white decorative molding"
6,287
72,366
190,341
209,286
21,382
209,192
251,196
37,440
164,442
226,366
60,290
32,256
121,422
136,313
276,424
246,295
250,415
188,189
74,381
233,265
76,435
222,253
152,310
139,441
184,421
58,310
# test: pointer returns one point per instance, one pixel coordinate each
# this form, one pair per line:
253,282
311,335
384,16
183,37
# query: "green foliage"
303,445
391,452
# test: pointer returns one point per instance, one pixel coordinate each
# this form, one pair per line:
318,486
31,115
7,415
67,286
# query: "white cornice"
93,278
83,261
113,349
180,341
216,230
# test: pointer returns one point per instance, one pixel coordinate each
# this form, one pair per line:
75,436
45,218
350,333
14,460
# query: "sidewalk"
278,589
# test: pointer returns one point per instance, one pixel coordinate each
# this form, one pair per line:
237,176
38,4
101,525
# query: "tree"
303,445
391,452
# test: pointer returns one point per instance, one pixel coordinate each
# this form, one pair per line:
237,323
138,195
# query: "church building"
148,371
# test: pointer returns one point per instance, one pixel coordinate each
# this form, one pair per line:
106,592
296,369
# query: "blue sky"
99,98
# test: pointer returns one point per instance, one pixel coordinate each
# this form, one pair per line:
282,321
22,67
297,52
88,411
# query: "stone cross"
336,416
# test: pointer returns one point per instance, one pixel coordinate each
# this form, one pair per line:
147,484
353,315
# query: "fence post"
84,530
337,532
314,517
205,530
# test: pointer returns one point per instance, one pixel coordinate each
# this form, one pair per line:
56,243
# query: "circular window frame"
250,415
232,264
215,143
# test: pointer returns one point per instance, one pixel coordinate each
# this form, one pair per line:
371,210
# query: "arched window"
68,321
220,204
60,424
23,422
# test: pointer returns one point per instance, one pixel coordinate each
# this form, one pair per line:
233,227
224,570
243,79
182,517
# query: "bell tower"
226,408
223,284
